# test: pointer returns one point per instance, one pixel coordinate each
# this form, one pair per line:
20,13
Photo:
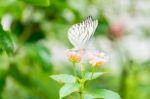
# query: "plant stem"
74,69
82,71
82,82
93,70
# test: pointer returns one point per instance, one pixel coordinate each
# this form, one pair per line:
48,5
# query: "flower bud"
116,30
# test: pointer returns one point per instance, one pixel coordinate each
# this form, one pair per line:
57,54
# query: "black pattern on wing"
79,34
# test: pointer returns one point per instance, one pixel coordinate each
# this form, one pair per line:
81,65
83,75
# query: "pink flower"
97,58
74,55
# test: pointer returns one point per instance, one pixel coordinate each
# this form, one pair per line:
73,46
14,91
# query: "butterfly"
79,34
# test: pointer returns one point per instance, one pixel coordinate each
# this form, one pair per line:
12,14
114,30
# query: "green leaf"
102,93
23,79
103,28
6,2
88,96
3,75
38,53
67,89
64,78
38,2
6,43
88,75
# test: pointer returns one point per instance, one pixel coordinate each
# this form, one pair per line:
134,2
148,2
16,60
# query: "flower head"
74,55
97,58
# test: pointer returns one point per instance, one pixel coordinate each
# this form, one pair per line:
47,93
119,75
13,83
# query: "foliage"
38,31
6,43
38,2
71,86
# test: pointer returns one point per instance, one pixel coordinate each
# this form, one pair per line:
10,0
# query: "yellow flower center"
98,63
74,57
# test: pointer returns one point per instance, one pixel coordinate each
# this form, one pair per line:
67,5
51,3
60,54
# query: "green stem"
74,69
82,71
93,70
82,82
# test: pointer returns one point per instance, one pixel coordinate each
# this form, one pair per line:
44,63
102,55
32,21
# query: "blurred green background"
33,39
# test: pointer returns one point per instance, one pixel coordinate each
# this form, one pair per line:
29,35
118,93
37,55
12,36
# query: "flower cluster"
74,55
97,58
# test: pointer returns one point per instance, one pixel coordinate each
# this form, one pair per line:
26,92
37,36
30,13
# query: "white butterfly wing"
80,33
